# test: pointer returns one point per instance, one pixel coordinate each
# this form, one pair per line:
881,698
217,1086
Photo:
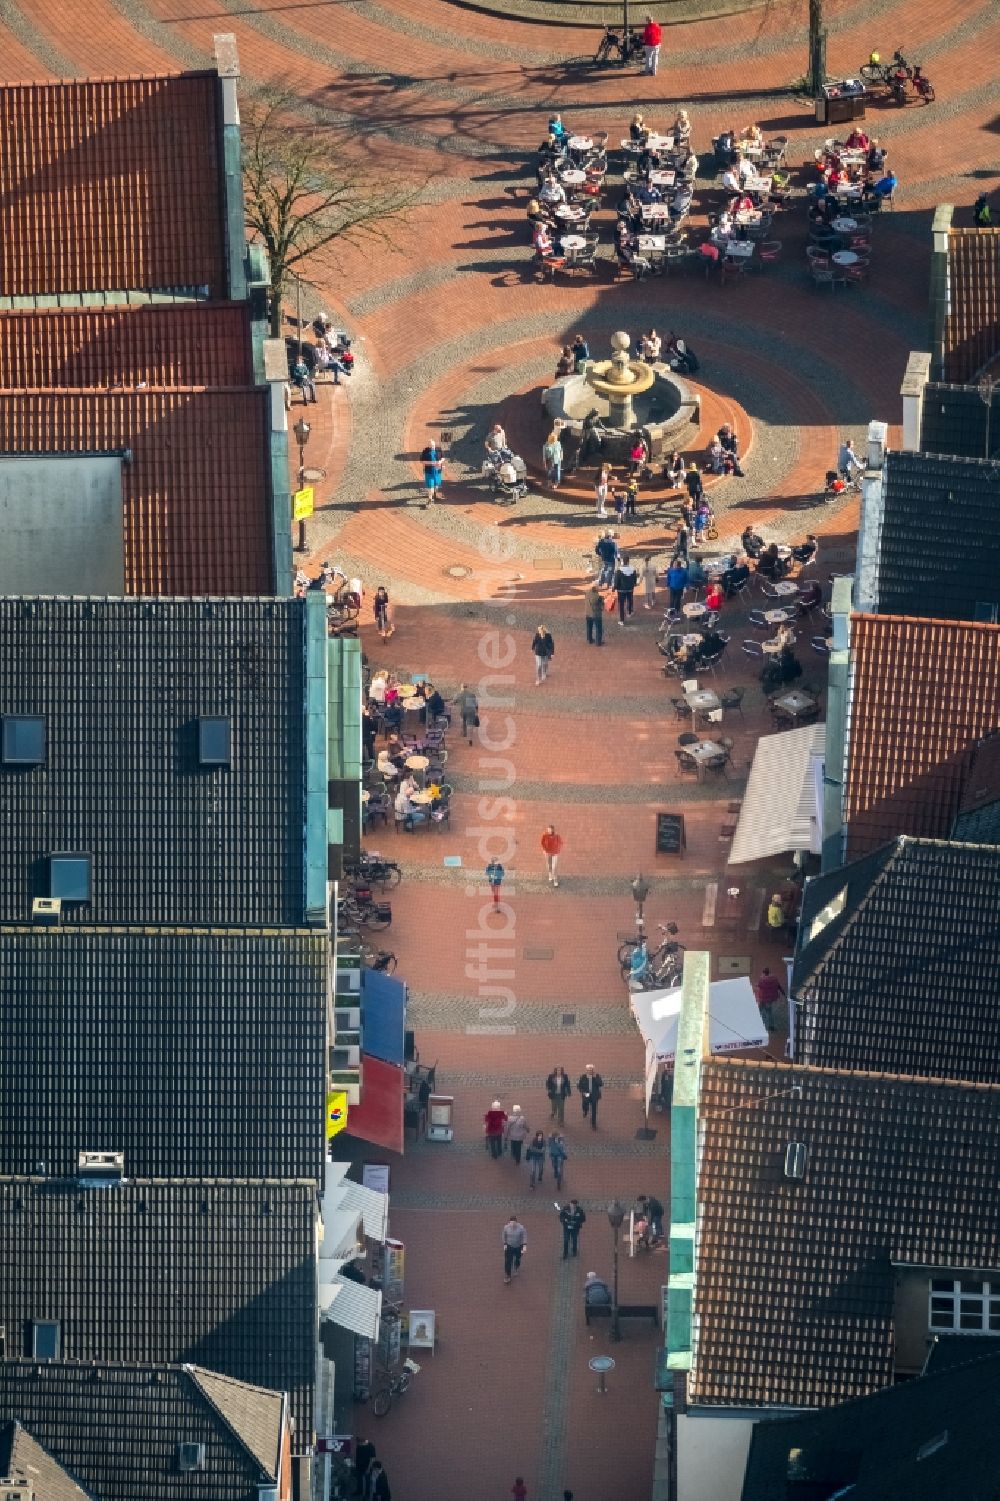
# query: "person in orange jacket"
652,36
552,845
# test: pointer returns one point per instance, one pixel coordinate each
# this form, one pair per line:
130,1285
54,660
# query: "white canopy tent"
734,1022
350,1214
783,805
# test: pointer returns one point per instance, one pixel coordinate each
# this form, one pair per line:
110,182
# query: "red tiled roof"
197,510
795,1276
922,692
111,183
972,325
192,344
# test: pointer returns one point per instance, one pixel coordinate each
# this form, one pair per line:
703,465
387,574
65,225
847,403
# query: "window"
826,914
46,1339
965,1305
70,876
23,739
213,741
933,1445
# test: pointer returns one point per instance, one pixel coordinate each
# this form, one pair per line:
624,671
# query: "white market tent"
783,804
734,1022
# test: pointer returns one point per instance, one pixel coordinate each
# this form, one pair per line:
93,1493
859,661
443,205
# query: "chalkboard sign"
670,838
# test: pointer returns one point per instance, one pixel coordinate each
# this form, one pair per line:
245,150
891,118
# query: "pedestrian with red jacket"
652,36
552,845
495,1121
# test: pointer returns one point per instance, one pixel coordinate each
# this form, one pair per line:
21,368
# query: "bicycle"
875,71
628,50
378,959
666,949
398,1384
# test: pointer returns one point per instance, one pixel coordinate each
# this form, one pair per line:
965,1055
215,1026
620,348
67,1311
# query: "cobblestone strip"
600,1150
504,1204
444,1013
531,881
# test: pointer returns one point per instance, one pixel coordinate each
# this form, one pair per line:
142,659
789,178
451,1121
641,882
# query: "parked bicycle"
613,47
875,72
665,960
370,867
398,1384
378,959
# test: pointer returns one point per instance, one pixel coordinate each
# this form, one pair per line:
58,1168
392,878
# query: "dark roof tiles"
111,183
203,344
794,1280
137,1041
956,420
121,685
904,980
923,692
198,471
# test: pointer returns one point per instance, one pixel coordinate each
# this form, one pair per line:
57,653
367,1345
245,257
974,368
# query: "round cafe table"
773,617
580,143
574,242
568,211
845,226
772,648
845,257
786,586
421,799
692,640
694,611
418,765
574,177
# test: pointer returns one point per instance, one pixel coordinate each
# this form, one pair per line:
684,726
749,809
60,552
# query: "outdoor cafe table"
847,190
772,648
573,177
695,610
568,211
573,242
705,750
749,218
654,211
703,700
844,226
659,143
653,242
786,586
692,640
580,143
758,184
739,249
796,702
418,765
777,617
421,798
845,257
660,177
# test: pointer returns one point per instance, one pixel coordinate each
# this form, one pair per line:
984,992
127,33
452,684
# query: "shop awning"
346,1206
734,1020
379,1116
780,810
383,1016
350,1305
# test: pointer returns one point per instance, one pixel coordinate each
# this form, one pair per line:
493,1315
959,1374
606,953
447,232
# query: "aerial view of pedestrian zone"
499,750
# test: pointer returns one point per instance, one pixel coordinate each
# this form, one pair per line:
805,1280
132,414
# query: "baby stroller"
507,491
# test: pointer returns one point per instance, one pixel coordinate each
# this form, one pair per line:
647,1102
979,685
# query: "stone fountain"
619,380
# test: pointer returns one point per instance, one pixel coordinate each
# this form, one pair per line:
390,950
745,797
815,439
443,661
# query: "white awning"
347,1205
734,1019
350,1305
780,809
373,1208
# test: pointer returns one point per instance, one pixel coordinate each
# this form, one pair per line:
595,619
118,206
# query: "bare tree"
305,192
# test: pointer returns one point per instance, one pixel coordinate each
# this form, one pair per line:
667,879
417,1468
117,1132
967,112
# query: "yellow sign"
302,503
336,1112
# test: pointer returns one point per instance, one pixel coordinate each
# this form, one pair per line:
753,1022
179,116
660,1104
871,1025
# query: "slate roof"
203,344
926,500
918,1441
953,420
121,684
217,1274
794,1281
904,978
972,324
24,1460
195,494
978,817
197,1054
922,693
117,1427
111,183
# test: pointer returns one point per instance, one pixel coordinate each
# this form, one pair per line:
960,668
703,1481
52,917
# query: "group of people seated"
857,163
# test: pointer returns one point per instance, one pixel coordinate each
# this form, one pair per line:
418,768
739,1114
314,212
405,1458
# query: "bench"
625,1311
708,910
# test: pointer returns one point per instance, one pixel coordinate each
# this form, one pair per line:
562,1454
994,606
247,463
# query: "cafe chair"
733,698
688,738
859,272
717,764
820,646
756,619
686,762
769,253
682,709
442,813
753,649
732,268
823,276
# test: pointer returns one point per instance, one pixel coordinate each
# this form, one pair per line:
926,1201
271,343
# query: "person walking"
557,1156
607,551
517,1132
552,845
677,582
573,1219
591,1087
552,457
692,480
535,1156
558,1089
543,647
649,582
378,1483
467,704
514,1239
652,37
494,876
769,992
383,612
433,462
581,353
494,1122
364,1454
848,463
594,607
625,581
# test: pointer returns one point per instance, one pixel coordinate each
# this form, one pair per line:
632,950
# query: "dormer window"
46,1339
71,875
24,740
214,742
965,1305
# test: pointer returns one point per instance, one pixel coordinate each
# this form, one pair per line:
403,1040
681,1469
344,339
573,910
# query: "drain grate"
529,953
569,1018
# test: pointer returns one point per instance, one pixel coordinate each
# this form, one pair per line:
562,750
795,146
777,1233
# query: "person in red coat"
552,845
495,1122
652,36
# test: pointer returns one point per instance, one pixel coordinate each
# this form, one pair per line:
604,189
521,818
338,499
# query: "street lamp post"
302,431
640,891
616,1215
